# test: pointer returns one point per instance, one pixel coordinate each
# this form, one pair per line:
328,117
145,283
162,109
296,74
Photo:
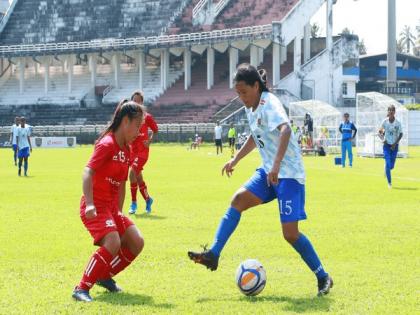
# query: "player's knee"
112,243
291,236
137,245
239,202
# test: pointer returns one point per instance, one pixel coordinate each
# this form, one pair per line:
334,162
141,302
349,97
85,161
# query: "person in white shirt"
391,134
281,175
218,138
24,145
13,137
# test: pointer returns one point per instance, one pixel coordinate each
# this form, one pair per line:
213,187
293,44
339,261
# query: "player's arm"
340,128
396,142
121,196
29,141
11,135
246,148
285,133
87,179
355,131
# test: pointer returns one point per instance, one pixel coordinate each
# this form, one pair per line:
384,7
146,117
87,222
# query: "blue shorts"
15,147
289,193
23,153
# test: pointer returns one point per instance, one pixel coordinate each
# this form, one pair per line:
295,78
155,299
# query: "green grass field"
366,235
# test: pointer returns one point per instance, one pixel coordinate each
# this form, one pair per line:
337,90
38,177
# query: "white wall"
414,127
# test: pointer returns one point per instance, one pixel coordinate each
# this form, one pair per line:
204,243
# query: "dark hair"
346,114
125,108
139,93
249,74
391,107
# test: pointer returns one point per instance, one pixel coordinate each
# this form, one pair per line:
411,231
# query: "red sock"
143,191
98,264
133,187
121,261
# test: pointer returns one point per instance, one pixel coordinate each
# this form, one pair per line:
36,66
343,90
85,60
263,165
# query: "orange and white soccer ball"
251,277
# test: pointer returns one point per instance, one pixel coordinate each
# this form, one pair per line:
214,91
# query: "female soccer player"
140,155
281,175
104,177
391,133
24,146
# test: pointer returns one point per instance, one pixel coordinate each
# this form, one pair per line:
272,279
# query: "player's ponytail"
125,108
249,74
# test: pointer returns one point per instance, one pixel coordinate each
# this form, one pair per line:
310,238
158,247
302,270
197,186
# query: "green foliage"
413,107
365,234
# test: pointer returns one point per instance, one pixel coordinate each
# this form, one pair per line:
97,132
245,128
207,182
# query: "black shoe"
109,284
19,172
206,258
324,285
81,295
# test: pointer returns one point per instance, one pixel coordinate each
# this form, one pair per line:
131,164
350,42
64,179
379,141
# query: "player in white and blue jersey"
24,146
13,137
391,134
281,175
346,128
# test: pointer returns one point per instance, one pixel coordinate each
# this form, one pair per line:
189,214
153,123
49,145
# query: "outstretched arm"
247,147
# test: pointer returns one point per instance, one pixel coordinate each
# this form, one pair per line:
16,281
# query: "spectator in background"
309,124
232,138
218,138
346,129
293,126
13,137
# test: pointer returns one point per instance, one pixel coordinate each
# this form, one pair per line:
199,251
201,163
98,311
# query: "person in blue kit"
281,176
391,134
347,128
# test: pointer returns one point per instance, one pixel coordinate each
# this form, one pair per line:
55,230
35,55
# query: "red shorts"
139,160
107,220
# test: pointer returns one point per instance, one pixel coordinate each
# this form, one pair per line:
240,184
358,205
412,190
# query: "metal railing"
198,7
113,43
220,6
7,15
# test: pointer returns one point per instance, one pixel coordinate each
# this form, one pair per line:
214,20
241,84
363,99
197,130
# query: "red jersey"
110,163
138,144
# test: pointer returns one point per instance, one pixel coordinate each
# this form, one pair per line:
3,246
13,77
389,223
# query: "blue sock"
25,166
304,247
227,225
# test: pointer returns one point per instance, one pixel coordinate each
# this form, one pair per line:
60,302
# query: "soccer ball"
251,277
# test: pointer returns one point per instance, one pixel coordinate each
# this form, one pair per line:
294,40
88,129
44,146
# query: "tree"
315,30
346,31
407,39
362,47
400,46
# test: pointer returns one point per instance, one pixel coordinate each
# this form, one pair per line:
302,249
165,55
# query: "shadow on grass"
290,304
405,188
296,305
124,298
150,216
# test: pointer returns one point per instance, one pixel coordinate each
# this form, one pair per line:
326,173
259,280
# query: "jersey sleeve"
101,153
151,123
353,127
275,115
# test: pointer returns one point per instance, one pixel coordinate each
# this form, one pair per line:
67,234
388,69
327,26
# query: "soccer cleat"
149,205
324,285
19,172
81,295
206,258
390,186
133,208
109,284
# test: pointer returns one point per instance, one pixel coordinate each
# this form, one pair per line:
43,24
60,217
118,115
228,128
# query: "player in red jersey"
101,205
140,155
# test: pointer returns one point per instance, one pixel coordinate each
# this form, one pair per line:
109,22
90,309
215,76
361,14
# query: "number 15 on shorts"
286,207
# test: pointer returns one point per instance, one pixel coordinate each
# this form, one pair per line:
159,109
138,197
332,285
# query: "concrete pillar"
141,69
46,74
391,75
210,67
307,42
117,67
329,46
36,66
70,60
260,55
92,68
21,65
233,62
276,64
283,54
164,69
297,53
187,68
254,56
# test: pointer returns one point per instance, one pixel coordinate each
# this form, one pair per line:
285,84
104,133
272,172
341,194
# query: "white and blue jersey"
22,135
290,192
392,130
346,129
264,123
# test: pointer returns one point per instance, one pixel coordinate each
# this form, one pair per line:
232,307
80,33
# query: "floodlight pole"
392,45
